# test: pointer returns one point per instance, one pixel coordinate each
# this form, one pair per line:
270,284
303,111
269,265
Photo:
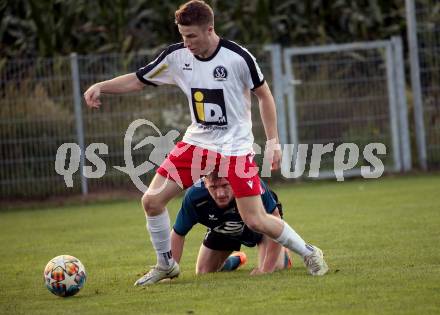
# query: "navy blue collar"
213,54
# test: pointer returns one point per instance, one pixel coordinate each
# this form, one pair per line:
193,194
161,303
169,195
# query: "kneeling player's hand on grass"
259,271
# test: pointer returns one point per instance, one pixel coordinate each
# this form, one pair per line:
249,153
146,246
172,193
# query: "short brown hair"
194,12
215,175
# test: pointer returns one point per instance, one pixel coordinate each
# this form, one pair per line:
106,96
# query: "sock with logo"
159,229
290,239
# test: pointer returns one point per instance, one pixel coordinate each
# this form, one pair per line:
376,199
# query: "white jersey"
218,91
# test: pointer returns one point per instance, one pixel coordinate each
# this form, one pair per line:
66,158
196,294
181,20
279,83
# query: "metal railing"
349,93
41,107
328,94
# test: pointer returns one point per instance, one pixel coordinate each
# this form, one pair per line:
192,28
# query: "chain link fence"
343,96
349,93
37,115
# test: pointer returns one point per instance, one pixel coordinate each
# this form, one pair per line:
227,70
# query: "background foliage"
58,27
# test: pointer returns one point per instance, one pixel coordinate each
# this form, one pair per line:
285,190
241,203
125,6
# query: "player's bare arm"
272,253
123,84
177,243
269,118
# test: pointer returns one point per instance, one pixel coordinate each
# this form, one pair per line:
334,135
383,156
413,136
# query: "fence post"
289,89
415,83
394,118
78,117
279,94
278,91
402,106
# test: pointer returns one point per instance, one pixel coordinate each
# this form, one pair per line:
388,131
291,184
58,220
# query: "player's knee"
200,270
255,224
151,205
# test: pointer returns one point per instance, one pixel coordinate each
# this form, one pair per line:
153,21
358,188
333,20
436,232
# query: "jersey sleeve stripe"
142,72
248,59
258,84
143,80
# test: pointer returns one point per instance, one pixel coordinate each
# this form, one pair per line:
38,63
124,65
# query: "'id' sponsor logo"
209,107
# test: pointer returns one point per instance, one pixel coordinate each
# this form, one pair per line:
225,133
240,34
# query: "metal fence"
340,93
349,93
38,114
423,20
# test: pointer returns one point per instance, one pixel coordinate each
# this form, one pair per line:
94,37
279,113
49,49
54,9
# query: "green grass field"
381,239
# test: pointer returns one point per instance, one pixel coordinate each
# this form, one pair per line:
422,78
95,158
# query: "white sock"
290,239
159,229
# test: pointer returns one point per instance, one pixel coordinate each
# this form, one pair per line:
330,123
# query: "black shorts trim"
218,241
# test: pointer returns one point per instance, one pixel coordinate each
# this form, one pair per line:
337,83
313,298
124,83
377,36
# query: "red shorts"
187,163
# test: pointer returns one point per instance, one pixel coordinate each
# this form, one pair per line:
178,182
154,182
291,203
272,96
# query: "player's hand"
272,152
256,272
276,161
92,96
260,271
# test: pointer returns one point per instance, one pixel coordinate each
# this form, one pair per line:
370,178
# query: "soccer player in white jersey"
217,77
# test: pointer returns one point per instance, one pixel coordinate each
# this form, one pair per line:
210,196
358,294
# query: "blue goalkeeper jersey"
199,207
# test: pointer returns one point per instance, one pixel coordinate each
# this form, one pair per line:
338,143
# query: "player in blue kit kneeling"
212,204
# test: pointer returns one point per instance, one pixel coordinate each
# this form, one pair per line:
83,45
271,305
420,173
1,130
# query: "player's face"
196,38
220,191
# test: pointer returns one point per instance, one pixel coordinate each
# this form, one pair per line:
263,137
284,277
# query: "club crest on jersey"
209,107
220,73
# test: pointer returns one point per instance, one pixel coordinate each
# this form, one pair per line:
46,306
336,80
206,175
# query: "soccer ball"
64,275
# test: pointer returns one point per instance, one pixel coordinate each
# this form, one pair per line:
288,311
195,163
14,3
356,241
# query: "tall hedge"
58,27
